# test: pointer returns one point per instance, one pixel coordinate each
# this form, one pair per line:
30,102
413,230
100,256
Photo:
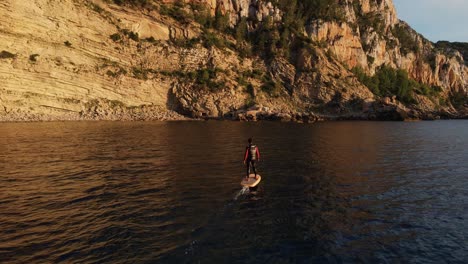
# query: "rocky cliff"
379,38
153,60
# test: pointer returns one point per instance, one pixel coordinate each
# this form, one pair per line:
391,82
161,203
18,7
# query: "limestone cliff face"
366,46
88,59
236,9
63,62
65,65
77,60
377,44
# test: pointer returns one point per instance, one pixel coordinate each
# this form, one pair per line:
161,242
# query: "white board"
251,181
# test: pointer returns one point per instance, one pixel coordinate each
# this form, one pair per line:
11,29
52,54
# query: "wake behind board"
251,182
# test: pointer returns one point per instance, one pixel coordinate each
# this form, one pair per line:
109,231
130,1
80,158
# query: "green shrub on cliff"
95,7
131,35
211,39
186,43
372,21
206,79
369,21
308,10
389,82
140,73
407,42
271,87
6,55
241,31
459,46
115,37
221,22
176,11
459,99
241,36
132,2
33,57
202,14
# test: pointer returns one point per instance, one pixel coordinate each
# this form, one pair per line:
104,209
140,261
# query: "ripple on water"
149,192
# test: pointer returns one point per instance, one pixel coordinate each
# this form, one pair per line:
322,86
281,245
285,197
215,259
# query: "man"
252,155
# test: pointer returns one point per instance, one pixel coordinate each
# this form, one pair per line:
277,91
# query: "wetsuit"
251,156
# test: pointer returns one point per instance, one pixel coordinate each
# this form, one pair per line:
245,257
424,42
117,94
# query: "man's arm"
258,154
246,154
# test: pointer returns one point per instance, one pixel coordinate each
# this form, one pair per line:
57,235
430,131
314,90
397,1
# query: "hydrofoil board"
251,181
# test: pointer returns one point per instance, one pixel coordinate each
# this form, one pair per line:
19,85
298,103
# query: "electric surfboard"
251,181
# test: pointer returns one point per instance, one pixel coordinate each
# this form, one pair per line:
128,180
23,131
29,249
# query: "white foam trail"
241,192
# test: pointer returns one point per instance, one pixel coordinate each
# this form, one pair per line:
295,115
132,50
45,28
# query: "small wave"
241,192
145,191
94,189
83,199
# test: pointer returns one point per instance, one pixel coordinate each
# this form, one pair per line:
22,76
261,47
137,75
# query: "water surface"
113,192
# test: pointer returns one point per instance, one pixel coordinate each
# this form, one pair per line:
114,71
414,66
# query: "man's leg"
248,168
254,169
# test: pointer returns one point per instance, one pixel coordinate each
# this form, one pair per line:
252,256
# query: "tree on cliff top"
459,46
308,10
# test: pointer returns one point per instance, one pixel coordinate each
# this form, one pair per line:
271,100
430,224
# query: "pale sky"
436,19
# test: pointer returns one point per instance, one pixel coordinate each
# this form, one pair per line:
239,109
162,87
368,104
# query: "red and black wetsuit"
251,156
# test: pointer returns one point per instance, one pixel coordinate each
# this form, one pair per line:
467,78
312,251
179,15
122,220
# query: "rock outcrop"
376,43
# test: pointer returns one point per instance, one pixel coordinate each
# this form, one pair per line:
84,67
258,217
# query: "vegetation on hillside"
305,11
388,82
131,2
407,42
462,47
268,39
6,55
459,99
368,21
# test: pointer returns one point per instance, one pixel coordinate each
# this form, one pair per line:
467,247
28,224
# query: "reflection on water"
169,192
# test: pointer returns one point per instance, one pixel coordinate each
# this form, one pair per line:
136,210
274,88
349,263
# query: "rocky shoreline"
277,117
386,109
145,113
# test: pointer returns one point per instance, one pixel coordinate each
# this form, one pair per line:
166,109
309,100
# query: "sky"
436,19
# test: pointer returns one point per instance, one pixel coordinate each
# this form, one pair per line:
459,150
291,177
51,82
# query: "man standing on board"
252,155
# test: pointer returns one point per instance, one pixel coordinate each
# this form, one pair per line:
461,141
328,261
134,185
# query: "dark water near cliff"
170,193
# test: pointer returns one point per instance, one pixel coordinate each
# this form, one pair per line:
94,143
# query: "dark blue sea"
169,192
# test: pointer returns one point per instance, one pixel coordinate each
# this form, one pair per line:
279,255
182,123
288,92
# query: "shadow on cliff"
173,104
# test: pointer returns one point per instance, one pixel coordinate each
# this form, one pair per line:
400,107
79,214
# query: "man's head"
250,140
